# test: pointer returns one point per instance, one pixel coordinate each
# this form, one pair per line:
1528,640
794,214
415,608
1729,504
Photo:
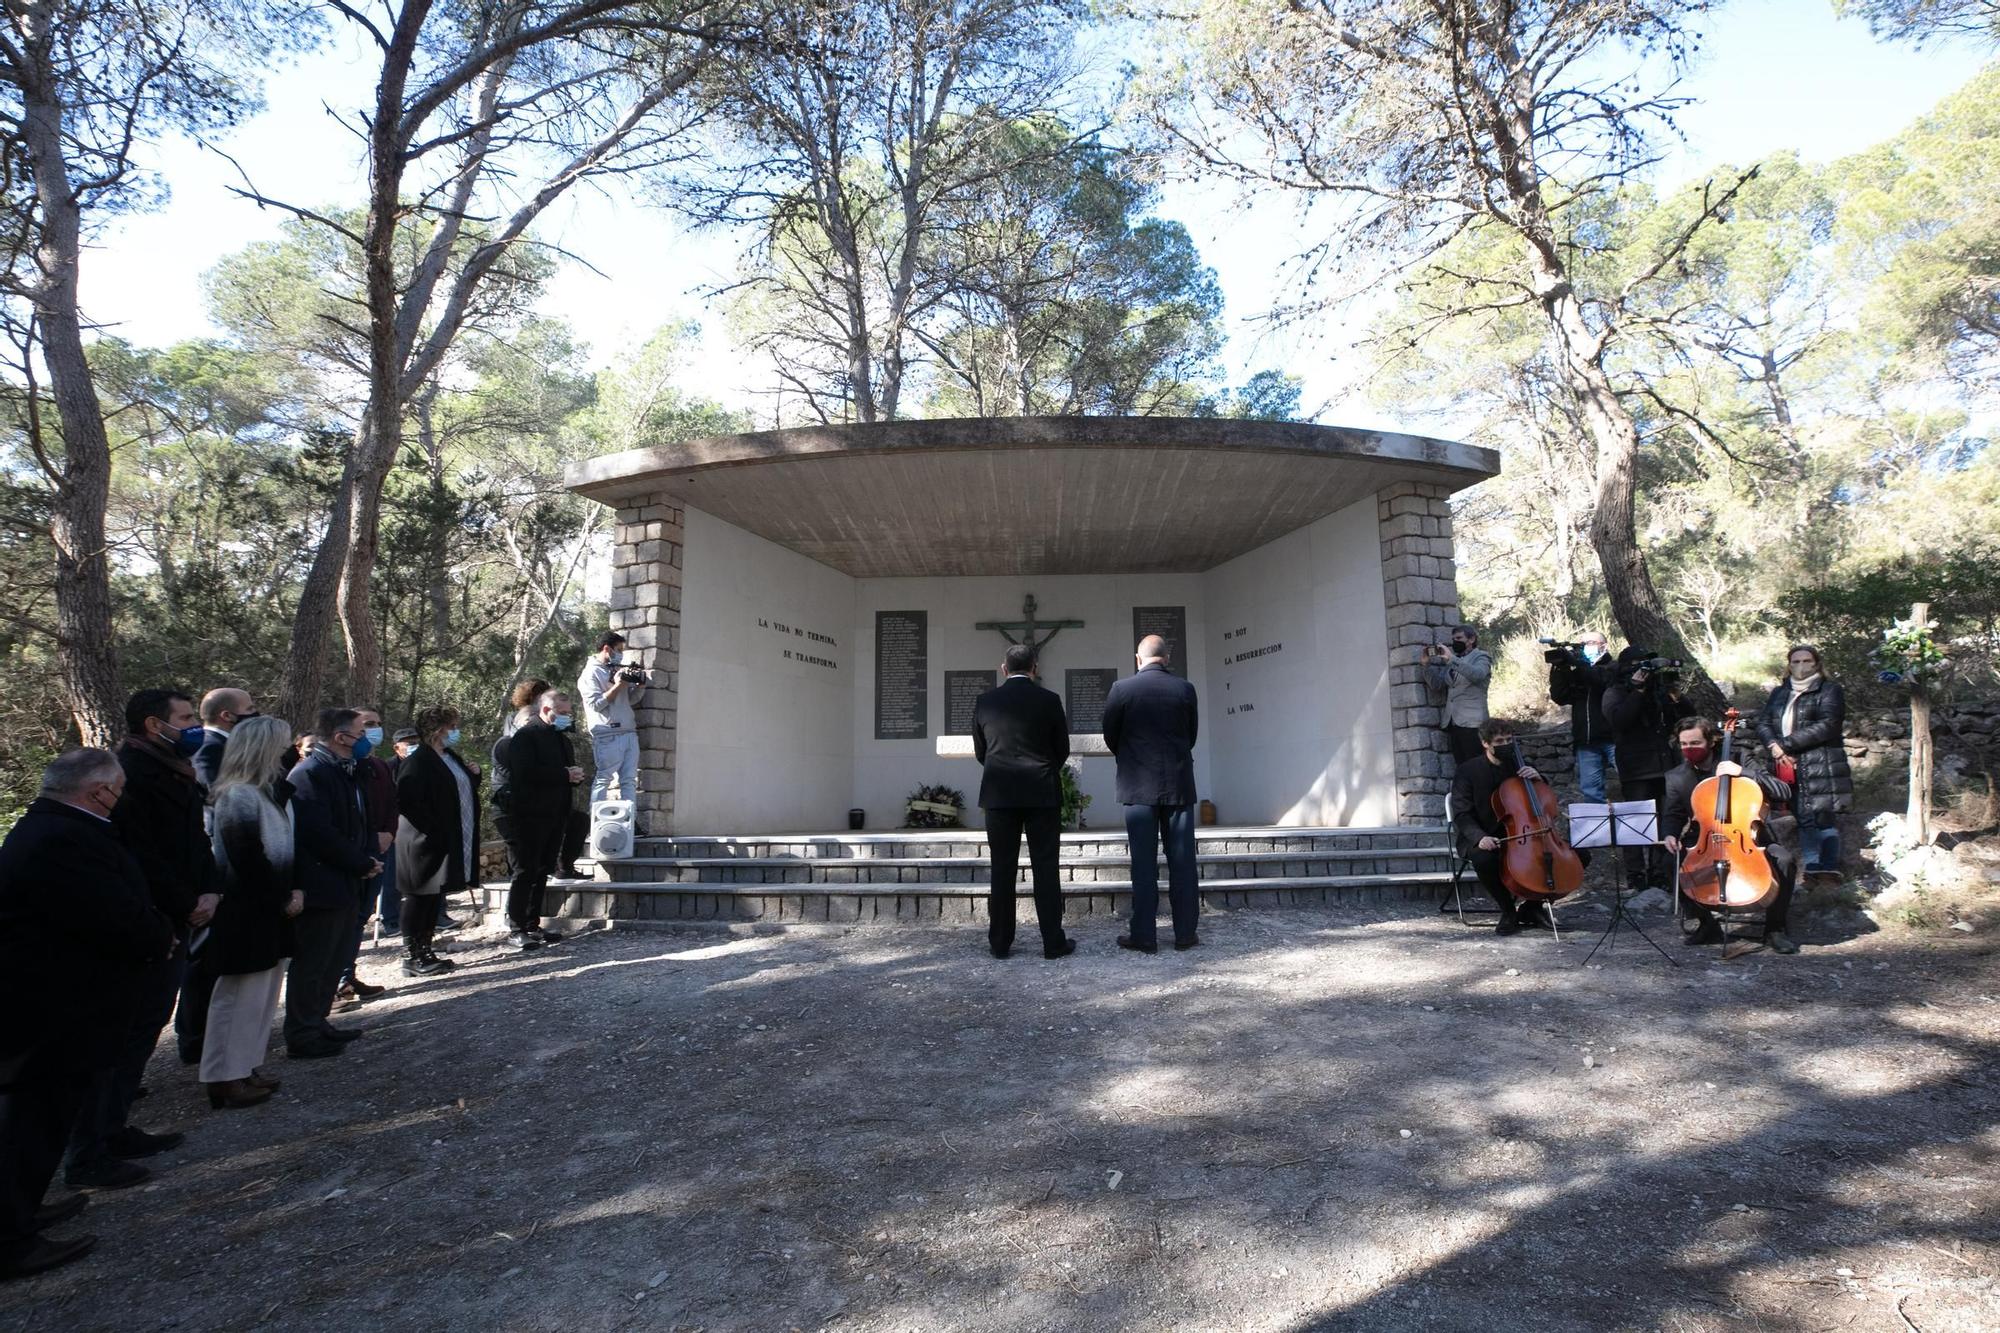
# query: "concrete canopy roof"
1029,495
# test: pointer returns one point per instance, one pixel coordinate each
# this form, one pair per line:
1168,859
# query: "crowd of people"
1628,718
217,863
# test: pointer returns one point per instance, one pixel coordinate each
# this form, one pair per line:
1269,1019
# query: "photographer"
610,689
1641,705
1579,673
1457,677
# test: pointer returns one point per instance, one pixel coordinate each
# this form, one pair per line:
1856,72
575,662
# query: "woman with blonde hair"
1802,722
251,935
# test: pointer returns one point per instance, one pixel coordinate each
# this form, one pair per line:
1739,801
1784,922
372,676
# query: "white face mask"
614,659
1593,652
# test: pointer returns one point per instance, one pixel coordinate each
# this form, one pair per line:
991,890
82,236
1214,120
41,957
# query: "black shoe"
132,1141
999,952
106,1173
1779,942
1191,942
552,937
1535,916
140,1091
1138,946
62,1210
1710,932
313,1048
43,1254
364,990
190,1055
341,1035
569,872
524,940
1508,924
425,965
1063,950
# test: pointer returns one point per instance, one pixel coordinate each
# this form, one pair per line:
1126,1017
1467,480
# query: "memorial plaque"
902,665
961,694
1084,692
1170,623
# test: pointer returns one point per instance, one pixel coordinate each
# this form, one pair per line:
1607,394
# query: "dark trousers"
319,949
1464,742
113,1088
35,1117
576,836
191,1014
1004,827
420,922
533,843
1146,826
1486,866
1785,871
1647,866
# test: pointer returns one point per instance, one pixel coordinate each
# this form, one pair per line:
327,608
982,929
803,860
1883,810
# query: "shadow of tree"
1320,1120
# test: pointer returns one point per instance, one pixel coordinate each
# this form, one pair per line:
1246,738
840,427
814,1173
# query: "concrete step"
949,903
977,869
911,844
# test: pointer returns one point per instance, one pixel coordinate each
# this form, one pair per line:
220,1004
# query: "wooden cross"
1027,627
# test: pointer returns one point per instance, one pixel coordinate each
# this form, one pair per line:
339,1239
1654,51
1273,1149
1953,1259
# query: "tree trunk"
86,655
439,589
1918,816
302,691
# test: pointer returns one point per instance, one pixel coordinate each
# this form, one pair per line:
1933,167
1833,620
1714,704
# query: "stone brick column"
646,609
1420,594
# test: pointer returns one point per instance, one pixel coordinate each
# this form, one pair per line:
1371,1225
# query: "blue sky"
1775,74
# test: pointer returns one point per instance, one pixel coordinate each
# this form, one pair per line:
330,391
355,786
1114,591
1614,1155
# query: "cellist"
1699,739
1478,826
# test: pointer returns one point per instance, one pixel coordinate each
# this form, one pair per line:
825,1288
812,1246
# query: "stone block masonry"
1420,597
646,609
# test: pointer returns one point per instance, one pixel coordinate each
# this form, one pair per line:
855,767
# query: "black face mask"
1460,647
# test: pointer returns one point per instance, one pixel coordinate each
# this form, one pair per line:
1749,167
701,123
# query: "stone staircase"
941,875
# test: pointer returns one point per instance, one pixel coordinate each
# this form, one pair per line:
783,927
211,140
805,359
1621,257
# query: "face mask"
1460,647
245,717
189,741
374,735
362,747
1592,652
1697,755
560,721
451,737
613,659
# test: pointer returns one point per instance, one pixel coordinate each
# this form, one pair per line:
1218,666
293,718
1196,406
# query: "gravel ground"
1319,1120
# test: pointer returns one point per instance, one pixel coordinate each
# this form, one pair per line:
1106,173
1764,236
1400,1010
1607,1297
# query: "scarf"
165,753
1806,686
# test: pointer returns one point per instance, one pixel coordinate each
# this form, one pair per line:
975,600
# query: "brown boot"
235,1094
257,1078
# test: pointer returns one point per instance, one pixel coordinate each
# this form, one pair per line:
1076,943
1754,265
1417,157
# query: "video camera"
1660,666
1561,650
632,674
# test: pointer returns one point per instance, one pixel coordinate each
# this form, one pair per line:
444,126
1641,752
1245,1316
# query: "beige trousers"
239,1023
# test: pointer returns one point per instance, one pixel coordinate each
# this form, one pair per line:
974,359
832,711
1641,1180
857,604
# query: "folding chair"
1454,901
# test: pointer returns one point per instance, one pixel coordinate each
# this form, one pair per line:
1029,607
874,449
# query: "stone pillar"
646,609
1420,594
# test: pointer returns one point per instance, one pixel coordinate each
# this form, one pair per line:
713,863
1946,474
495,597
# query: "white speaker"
611,831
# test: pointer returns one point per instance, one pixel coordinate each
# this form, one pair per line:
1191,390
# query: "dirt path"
1321,1120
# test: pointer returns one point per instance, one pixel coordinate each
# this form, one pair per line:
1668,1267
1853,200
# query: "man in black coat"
1579,673
541,771
1642,705
1479,828
1150,722
331,857
159,818
78,935
1021,736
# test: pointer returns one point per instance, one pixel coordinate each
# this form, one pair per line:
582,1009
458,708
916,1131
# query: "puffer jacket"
1825,783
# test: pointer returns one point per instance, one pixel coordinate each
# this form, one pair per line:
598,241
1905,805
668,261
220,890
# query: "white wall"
765,742
1302,735
768,743
885,772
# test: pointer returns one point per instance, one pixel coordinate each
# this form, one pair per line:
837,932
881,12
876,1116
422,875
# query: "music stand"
1617,825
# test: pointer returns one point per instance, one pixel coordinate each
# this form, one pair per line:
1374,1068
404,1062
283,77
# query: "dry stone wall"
1420,594
646,609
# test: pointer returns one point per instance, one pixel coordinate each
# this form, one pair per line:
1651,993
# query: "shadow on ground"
1320,1120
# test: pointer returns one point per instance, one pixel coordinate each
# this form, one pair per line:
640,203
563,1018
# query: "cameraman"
1456,678
1641,705
1579,673
610,690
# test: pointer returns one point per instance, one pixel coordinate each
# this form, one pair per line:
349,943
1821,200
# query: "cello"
1535,863
1724,866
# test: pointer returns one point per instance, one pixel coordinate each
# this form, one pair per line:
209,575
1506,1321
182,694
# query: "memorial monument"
821,606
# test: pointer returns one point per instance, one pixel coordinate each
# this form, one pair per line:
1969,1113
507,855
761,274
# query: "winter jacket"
159,819
1642,721
1825,784
1458,686
334,844
1581,685
253,850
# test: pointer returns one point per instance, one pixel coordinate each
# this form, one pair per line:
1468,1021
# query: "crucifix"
1027,627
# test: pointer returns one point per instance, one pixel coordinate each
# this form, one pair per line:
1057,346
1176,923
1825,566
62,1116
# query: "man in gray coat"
1457,677
1150,722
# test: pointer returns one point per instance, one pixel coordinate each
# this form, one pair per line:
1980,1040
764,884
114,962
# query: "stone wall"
1420,596
646,609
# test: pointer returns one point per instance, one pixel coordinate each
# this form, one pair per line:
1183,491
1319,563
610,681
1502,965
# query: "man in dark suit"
331,857
78,936
541,772
1150,723
1020,734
